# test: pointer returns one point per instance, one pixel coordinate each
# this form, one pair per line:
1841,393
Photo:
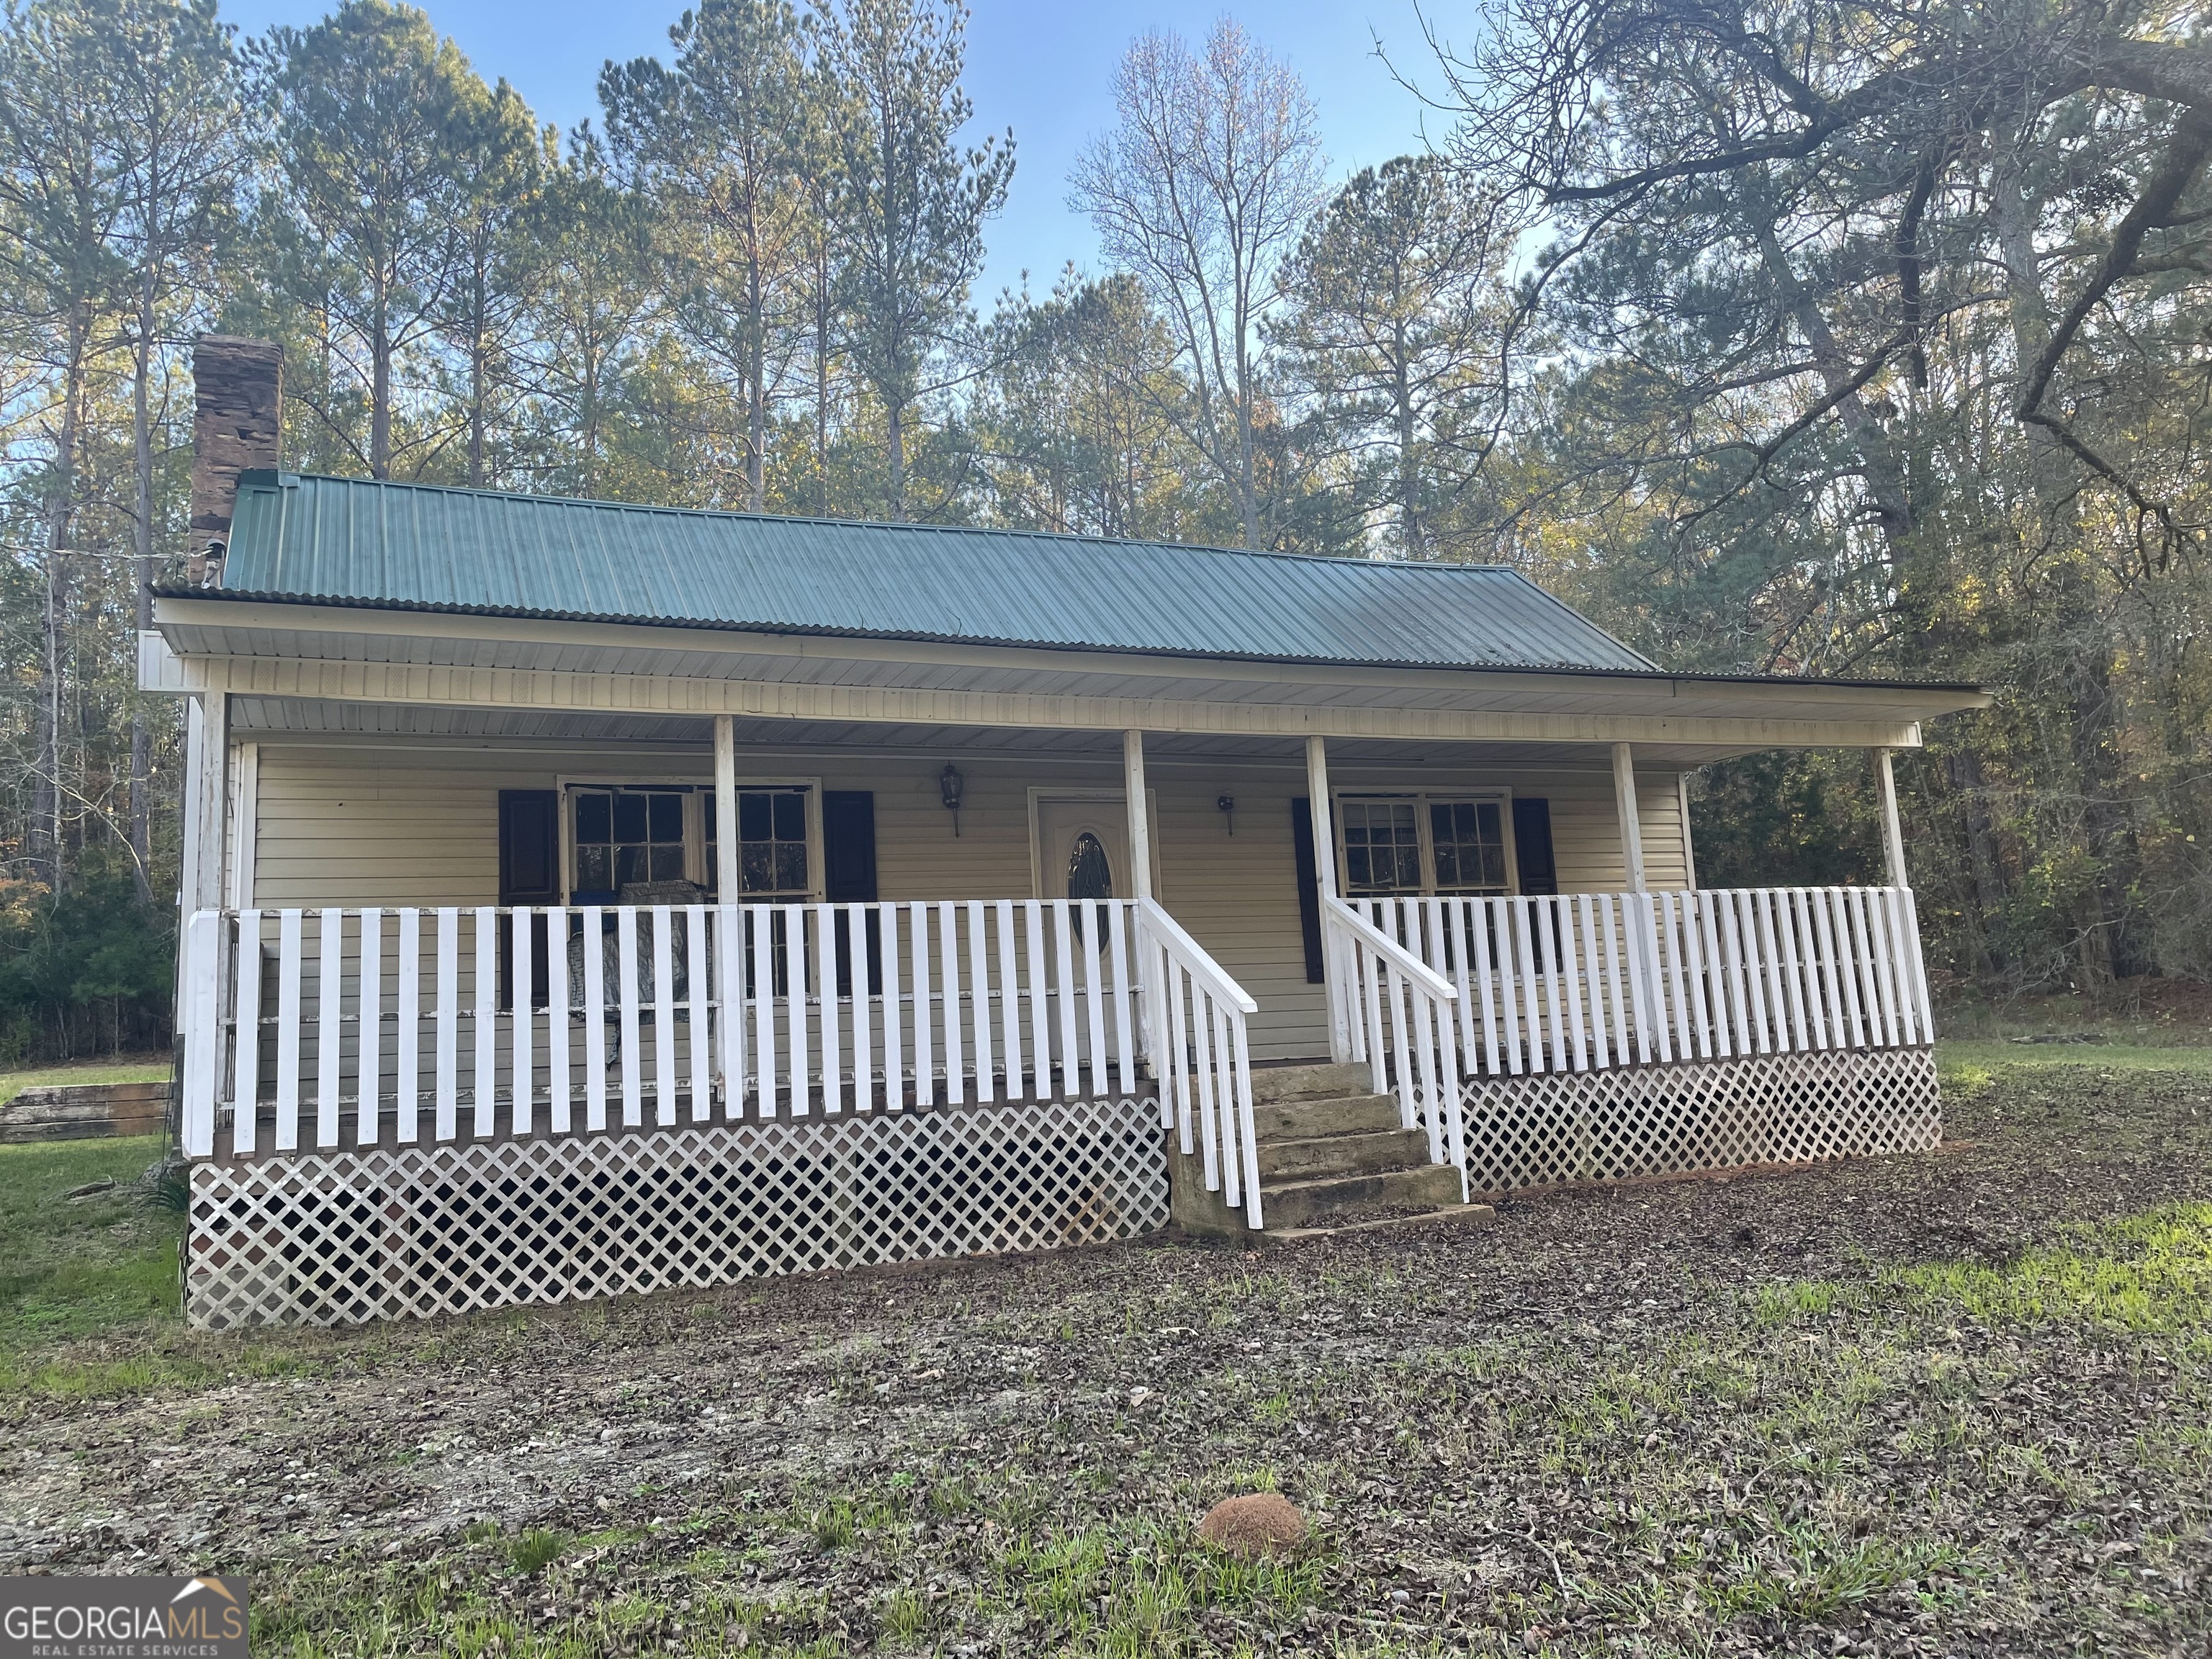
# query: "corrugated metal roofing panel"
356,541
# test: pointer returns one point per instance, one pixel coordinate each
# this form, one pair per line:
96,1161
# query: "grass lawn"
71,1268
1960,1403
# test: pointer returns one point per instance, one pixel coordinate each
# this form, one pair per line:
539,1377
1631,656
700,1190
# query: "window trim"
1424,831
695,855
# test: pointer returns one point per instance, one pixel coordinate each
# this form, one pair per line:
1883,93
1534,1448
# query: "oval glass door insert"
1090,876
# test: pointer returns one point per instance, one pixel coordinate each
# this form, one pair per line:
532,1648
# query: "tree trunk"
2108,944
1409,484
1248,491
47,854
142,538
1878,464
379,392
1963,770
757,374
821,397
477,354
895,414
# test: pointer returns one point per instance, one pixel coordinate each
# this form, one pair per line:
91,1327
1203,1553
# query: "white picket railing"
1393,1004
357,1027
771,1010
1197,1027
1583,981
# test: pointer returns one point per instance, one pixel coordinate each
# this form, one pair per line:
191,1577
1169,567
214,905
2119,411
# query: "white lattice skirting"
1698,1114
344,1237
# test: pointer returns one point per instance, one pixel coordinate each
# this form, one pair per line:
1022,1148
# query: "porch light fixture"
948,785
1228,806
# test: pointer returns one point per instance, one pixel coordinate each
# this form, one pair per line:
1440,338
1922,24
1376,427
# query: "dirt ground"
1958,1404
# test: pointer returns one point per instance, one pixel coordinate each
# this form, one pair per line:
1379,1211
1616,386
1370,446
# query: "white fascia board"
161,671
1634,693
549,689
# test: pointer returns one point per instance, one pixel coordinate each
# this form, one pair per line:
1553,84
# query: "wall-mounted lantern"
949,783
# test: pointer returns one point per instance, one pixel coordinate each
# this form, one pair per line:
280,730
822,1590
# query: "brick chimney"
238,394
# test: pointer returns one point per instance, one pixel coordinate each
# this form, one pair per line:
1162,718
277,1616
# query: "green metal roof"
360,541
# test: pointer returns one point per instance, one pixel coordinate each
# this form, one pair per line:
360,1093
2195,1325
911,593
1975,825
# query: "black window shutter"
849,875
529,847
529,874
848,846
1532,845
1302,852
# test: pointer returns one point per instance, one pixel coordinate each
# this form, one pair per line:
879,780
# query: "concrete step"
1271,1083
1327,1200
1342,1154
1347,1114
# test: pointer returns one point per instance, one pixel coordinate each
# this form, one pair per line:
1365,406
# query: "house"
584,897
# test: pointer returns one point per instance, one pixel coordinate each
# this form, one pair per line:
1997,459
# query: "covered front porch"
473,1024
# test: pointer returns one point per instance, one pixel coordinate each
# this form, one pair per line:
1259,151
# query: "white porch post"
1324,841
1140,826
1631,828
726,810
207,764
242,812
1689,853
1893,833
199,942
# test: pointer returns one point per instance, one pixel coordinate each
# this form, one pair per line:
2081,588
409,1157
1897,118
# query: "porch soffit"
310,652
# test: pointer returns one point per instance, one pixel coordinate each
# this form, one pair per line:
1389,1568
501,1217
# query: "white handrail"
1193,956
1197,1040
1431,982
1400,1007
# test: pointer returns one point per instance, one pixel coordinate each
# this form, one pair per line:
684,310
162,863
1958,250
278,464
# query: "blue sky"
1044,69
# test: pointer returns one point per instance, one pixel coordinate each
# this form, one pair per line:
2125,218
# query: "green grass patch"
89,1288
130,1068
2148,1273
71,1268
1976,1062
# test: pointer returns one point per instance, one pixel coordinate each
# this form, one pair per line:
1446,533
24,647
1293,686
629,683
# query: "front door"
1083,849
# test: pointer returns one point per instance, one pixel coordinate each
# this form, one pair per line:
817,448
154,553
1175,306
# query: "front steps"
1331,1154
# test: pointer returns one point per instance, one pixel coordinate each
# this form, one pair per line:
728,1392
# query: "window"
1402,844
1470,839
772,843
625,835
1382,847
621,833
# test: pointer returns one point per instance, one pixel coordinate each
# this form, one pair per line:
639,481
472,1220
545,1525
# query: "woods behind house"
1810,336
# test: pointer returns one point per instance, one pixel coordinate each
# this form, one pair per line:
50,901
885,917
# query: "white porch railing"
1198,1024
359,1027
1583,981
1390,1003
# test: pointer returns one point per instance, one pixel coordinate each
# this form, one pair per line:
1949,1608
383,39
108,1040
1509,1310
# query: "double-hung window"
622,834
1412,843
775,858
626,834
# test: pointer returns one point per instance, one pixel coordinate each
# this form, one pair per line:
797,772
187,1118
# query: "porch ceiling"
281,718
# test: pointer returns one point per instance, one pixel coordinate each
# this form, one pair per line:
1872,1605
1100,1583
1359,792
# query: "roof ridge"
1080,537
